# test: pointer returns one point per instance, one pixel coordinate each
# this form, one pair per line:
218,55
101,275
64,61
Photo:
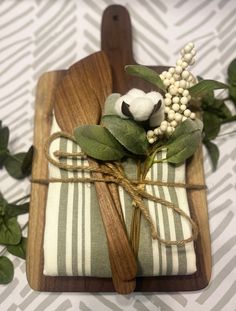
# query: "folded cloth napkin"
74,237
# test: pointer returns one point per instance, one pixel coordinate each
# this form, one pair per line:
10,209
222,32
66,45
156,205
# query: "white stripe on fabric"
155,243
69,218
174,249
80,228
88,203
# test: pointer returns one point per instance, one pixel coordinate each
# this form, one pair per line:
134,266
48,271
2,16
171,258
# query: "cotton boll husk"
136,93
141,108
109,106
125,98
156,119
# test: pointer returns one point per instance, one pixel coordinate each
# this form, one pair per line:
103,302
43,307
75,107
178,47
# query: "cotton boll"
118,105
154,96
141,108
136,93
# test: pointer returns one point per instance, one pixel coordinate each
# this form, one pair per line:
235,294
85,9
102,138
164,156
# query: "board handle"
116,42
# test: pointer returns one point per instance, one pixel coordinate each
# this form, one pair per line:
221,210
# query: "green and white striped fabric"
74,238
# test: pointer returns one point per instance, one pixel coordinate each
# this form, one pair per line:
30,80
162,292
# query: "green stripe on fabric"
159,175
83,224
100,265
182,259
62,218
168,249
75,222
145,257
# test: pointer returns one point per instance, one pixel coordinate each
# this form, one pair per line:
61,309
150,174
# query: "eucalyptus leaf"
213,152
10,231
6,270
146,74
97,142
231,119
212,125
13,210
3,204
27,162
206,86
217,107
3,155
232,72
131,135
185,128
13,165
18,250
232,93
109,106
4,137
184,142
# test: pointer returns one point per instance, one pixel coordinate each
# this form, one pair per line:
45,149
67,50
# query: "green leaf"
217,107
3,204
18,250
232,93
13,210
184,142
232,72
27,162
109,106
10,231
131,135
206,86
185,128
4,137
212,125
13,165
213,152
6,270
97,142
3,155
231,119
146,74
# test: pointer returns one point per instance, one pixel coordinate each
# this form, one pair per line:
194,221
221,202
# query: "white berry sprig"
177,80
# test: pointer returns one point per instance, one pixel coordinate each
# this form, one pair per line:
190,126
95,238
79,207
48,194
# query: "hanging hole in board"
115,17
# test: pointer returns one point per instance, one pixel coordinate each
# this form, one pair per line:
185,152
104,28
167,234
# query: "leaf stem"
21,199
229,133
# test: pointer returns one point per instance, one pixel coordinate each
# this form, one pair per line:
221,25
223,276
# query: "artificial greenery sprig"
119,138
18,166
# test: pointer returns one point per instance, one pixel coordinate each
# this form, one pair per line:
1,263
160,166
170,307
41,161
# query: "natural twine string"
114,173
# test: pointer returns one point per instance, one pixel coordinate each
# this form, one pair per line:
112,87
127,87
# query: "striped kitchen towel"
74,238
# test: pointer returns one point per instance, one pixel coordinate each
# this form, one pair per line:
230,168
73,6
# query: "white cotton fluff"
140,106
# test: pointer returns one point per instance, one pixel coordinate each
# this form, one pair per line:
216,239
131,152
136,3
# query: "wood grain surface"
117,43
79,100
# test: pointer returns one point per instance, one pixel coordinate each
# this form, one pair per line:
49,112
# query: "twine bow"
113,172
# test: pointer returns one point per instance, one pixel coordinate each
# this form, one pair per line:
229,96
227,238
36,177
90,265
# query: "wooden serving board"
117,43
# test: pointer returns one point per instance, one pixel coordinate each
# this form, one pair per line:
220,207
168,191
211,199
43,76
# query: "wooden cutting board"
117,43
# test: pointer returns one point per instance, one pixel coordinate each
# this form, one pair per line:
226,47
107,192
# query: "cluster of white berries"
177,81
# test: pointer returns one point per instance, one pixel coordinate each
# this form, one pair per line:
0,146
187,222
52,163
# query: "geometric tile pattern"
43,35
